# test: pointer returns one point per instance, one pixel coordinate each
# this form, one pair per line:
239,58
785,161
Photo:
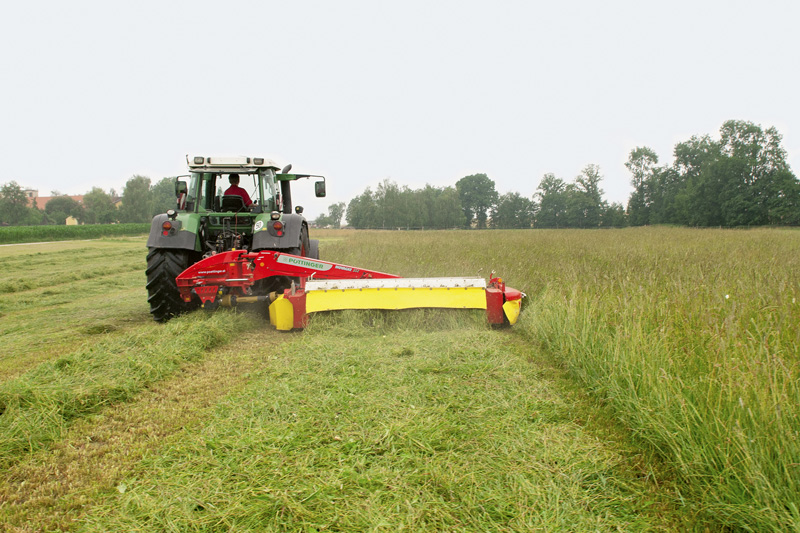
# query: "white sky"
94,92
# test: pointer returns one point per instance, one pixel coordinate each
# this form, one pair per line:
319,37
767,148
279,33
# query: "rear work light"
199,160
258,160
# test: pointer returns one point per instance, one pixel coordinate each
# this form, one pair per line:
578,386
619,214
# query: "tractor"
207,222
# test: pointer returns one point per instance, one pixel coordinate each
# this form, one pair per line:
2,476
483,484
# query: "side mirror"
319,189
180,187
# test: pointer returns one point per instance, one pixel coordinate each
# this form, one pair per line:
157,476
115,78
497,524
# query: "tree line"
742,179
475,203
139,202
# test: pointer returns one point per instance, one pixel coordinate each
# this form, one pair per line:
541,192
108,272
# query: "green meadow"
27,234
651,384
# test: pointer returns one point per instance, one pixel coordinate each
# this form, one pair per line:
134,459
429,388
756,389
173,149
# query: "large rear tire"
163,266
304,249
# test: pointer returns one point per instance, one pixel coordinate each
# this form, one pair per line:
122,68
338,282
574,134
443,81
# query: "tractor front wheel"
163,266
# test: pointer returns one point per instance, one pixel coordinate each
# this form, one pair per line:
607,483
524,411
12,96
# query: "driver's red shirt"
238,191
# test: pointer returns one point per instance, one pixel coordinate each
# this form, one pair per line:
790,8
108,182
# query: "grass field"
25,234
651,384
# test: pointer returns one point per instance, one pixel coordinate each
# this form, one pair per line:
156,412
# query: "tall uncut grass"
20,234
692,336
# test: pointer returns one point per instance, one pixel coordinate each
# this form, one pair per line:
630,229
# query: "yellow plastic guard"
281,314
395,298
512,310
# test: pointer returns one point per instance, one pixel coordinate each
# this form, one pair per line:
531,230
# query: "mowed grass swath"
80,337
390,421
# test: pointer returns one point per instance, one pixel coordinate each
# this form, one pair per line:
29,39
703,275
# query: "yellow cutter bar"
396,293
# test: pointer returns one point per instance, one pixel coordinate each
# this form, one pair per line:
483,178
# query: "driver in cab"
234,189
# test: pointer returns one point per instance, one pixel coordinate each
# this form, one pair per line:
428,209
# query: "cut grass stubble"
398,426
36,406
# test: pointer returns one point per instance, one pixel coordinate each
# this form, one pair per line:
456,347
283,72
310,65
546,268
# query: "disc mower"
228,278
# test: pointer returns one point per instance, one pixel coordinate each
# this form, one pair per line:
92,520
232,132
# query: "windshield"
206,189
238,184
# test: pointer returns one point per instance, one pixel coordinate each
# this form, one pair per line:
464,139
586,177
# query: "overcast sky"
361,91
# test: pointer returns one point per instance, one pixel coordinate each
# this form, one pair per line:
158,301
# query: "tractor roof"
201,163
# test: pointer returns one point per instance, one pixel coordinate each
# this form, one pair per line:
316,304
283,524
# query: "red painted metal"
239,270
298,301
494,305
207,293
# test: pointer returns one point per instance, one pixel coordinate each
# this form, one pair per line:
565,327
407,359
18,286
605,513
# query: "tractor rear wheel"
305,247
163,266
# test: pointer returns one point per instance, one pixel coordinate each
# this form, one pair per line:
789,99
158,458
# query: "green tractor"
215,215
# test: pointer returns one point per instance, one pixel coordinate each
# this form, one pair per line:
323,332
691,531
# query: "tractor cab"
269,190
211,177
234,203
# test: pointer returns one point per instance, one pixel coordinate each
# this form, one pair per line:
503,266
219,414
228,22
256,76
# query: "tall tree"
137,203
14,208
552,202
478,194
162,196
447,213
336,213
641,164
61,207
512,211
590,196
333,217
614,216
695,202
362,211
390,209
99,207
757,170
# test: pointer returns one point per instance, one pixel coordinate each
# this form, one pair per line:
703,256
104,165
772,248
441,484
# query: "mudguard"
292,225
181,239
